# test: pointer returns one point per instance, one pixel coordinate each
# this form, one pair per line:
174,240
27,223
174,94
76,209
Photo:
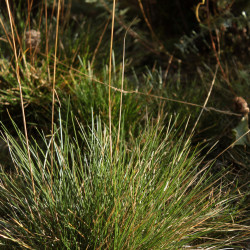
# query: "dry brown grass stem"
149,46
29,10
99,42
167,70
122,83
205,103
110,73
47,37
21,96
53,93
216,54
46,28
6,33
150,27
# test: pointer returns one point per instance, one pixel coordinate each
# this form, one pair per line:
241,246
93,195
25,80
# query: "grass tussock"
156,192
100,165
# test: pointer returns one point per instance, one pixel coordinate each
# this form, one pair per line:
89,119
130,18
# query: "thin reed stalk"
122,83
21,95
205,103
53,92
110,69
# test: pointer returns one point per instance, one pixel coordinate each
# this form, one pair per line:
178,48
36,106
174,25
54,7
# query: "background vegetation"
142,151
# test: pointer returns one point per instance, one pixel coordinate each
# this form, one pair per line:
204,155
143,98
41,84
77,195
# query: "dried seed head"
240,105
32,39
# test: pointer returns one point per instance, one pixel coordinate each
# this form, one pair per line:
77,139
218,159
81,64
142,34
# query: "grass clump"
155,192
143,185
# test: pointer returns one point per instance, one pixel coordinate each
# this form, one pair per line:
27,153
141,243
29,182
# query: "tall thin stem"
53,94
47,38
122,83
21,95
110,69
